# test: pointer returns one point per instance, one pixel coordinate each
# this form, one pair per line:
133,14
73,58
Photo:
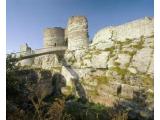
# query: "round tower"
77,32
54,37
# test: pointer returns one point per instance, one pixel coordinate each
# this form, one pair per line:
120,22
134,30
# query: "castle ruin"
117,64
77,32
54,37
75,36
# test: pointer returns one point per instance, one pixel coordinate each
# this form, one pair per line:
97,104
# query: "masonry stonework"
77,32
54,37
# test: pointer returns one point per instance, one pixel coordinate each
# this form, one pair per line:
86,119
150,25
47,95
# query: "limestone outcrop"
130,30
116,67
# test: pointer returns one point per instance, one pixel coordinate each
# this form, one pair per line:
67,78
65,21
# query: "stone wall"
25,50
54,37
77,32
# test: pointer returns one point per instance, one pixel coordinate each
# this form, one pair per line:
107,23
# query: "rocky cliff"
116,68
118,65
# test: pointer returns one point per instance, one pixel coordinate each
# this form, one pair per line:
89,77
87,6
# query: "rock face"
130,30
47,62
77,32
100,60
69,75
26,62
143,59
118,65
116,68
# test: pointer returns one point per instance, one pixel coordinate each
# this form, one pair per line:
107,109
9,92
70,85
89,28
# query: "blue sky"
26,19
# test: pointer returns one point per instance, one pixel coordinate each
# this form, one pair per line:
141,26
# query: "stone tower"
54,37
77,32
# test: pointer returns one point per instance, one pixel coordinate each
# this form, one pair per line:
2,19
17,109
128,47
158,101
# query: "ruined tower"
54,37
77,32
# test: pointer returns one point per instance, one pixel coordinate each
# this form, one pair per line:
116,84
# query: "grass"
140,43
126,42
96,107
101,79
88,56
120,71
111,49
147,80
97,52
129,53
72,60
116,63
93,93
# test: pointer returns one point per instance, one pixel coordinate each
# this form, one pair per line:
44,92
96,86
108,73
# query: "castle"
75,36
118,57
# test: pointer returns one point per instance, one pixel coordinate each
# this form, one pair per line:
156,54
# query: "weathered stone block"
123,60
100,60
142,59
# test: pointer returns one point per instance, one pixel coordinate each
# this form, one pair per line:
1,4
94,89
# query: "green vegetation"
147,80
121,72
131,53
150,96
88,56
126,42
27,98
92,111
72,60
97,52
101,79
96,107
139,45
93,92
111,49
116,63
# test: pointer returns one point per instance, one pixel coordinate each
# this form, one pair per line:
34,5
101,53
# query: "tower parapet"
77,32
